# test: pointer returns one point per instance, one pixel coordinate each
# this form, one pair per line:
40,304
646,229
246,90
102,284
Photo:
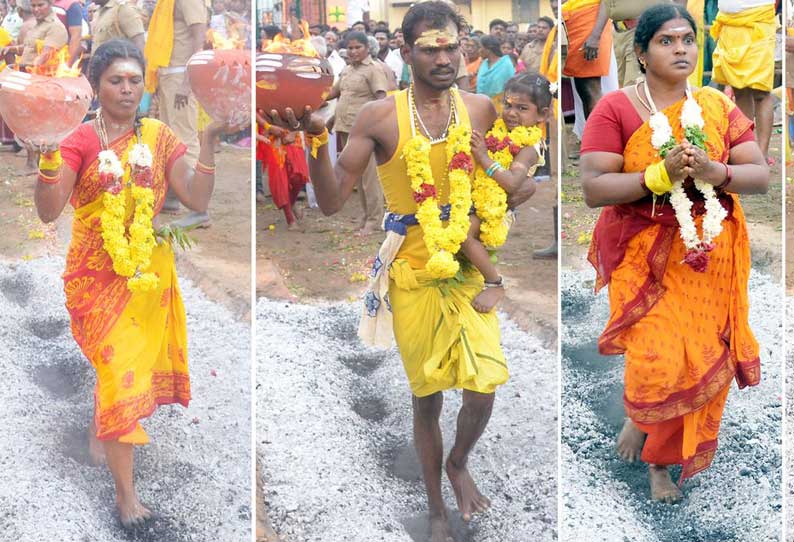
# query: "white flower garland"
661,134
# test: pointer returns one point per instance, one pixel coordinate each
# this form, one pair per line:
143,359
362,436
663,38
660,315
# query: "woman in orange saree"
136,340
682,327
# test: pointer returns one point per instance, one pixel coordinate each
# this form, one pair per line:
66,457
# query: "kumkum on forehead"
436,38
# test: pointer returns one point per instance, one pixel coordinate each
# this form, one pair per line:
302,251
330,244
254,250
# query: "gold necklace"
416,117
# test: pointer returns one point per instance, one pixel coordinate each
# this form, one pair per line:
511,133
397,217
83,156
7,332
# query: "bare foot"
470,500
366,229
439,529
294,226
662,487
95,448
297,210
487,299
630,442
132,512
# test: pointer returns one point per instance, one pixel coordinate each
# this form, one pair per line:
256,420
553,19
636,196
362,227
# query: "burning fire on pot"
43,103
220,78
290,73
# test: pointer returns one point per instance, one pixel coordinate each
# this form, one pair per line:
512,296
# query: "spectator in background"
174,36
510,31
382,36
473,52
117,19
70,13
495,70
331,40
12,22
497,28
362,81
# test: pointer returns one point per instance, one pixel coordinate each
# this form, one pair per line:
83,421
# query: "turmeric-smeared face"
435,55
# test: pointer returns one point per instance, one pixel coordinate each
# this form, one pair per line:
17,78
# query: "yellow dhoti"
745,53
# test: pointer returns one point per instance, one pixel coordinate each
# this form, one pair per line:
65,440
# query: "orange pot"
41,109
286,80
221,81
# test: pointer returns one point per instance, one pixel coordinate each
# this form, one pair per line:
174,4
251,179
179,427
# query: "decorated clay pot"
221,81
41,109
287,80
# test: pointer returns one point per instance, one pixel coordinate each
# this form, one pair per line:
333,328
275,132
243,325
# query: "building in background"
343,13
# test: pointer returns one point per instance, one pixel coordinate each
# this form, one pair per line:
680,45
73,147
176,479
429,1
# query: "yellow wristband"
50,161
317,141
657,180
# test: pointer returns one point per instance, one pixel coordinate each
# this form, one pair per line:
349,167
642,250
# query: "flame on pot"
57,65
282,45
219,42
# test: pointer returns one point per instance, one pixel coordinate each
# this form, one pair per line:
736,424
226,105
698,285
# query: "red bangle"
643,185
728,178
46,179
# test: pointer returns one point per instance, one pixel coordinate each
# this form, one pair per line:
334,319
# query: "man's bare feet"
132,512
486,300
662,487
95,449
630,442
439,529
470,500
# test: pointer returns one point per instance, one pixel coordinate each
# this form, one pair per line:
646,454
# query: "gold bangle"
203,168
50,161
317,141
47,179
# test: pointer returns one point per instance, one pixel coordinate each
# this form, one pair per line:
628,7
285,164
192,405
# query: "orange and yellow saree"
137,342
685,335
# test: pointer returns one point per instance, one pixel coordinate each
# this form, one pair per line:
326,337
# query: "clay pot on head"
221,81
41,109
287,80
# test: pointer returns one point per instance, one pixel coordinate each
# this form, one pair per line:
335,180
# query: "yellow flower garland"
442,242
131,257
489,198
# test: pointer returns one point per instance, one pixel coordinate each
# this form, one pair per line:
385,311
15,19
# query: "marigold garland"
131,256
489,198
442,242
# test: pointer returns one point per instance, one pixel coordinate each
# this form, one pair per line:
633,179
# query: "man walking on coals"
444,343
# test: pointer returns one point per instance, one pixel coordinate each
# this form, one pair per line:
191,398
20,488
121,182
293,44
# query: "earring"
642,61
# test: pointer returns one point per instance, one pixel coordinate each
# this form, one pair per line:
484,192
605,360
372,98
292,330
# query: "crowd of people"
167,32
368,65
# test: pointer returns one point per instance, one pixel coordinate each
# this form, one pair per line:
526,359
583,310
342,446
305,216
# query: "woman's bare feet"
439,529
470,500
662,487
95,449
486,300
297,210
132,512
630,442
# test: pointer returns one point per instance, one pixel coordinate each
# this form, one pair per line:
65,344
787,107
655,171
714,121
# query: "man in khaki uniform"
359,83
117,19
178,107
52,34
48,29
